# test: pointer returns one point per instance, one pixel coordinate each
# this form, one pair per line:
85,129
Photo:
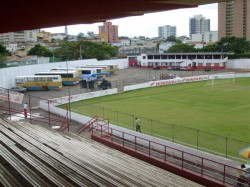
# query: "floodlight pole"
69,107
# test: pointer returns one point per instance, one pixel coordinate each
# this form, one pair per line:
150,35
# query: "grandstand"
39,156
32,155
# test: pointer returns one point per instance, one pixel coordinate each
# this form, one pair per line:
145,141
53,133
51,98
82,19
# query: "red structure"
95,124
177,61
21,15
201,170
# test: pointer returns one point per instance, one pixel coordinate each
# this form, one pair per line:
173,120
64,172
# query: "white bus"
113,69
67,69
69,78
37,82
100,71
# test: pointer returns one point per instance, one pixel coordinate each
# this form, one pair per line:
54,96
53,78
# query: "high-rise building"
198,25
166,31
109,32
27,36
234,19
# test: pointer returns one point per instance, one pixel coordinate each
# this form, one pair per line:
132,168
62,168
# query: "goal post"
221,79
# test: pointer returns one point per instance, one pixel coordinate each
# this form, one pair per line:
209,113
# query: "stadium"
156,103
194,124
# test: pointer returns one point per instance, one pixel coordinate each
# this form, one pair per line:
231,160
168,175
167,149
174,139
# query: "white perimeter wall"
7,75
238,64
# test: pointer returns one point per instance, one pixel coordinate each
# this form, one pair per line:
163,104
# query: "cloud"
147,25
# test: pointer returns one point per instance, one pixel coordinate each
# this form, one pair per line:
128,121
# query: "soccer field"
189,111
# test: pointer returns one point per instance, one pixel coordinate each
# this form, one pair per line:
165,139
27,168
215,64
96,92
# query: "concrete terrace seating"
32,155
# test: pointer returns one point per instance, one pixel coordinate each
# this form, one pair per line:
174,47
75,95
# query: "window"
150,57
164,56
86,71
19,81
156,56
30,79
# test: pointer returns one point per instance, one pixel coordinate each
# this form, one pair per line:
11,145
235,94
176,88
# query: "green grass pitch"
194,113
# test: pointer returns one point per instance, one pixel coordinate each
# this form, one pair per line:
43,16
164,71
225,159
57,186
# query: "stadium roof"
16,15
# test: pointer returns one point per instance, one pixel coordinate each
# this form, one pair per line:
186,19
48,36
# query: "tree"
80,36
90,33
233,44
173,39
2,60
40,51
71,50
208,48
3,54
181,48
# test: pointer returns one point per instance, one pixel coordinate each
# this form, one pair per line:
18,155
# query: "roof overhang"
16,15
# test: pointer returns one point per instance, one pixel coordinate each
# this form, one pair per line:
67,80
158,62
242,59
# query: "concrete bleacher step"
81,158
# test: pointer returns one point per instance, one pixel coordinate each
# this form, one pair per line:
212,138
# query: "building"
198,61
27,36
44,37
234,19
58,36
13,47
136,50
165,46
198,25
141,42
166,31
109,32
206,37
125,41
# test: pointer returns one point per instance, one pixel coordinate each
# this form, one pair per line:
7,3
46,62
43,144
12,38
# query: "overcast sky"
147,25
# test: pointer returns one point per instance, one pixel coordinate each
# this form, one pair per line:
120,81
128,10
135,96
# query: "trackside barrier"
199,169
185,80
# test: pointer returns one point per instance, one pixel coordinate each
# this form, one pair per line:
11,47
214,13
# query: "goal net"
221,79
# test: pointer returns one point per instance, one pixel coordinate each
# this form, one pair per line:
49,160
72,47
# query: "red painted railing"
220,173
94,123
32,117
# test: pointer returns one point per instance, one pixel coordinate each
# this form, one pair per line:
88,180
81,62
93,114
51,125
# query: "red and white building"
198,61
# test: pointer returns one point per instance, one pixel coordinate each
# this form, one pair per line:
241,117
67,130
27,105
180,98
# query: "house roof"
16,15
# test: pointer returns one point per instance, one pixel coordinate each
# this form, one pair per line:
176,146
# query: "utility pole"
80,52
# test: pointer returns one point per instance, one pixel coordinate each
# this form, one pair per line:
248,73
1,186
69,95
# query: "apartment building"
234,19
109,32
27,36
198,25
166,31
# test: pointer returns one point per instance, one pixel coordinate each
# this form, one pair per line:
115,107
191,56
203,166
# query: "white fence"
59,101
7,75
238,64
